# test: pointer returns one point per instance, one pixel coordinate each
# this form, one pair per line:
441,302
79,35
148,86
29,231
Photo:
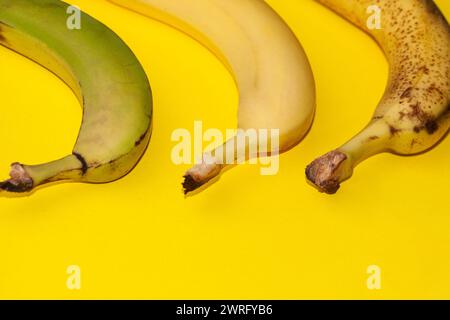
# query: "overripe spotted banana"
414,113
107,79
271,71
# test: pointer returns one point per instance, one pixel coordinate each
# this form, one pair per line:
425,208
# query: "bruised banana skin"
414,113
107,79
272,73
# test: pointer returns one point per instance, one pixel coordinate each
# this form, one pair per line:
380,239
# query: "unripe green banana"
108,80
414,113
272,73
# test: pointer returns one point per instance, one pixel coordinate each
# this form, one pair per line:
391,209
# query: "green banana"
105,75
414,113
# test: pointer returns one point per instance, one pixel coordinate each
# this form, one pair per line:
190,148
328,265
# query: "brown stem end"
19,182
190,184
325,173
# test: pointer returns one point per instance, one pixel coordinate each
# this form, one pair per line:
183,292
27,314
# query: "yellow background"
247,236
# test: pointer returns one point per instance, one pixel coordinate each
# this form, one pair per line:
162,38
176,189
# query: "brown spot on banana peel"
424,70
406,93
424,119
393,130
431,126
324,172
414,142
432,88
141,138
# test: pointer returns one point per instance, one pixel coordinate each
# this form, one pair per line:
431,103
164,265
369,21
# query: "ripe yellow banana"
270,68
414,113
107,79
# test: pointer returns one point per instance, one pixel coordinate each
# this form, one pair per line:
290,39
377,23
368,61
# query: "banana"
271,71
105,75
414,112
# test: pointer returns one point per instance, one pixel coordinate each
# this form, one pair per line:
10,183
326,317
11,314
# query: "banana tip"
19,182
190,184
325,172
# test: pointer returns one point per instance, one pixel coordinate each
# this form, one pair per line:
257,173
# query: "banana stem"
210,167
25,178
238,149
328,171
